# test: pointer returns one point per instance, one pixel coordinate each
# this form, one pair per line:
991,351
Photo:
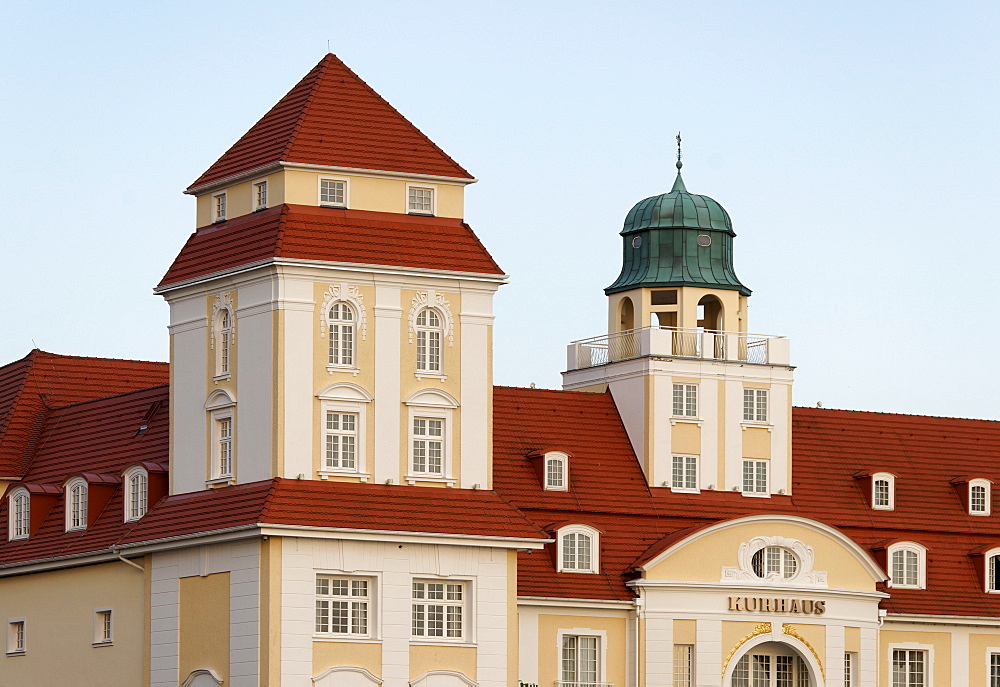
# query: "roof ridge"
110,396
883,412
280,239
30,362
320,72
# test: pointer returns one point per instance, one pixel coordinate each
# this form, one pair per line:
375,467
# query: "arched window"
578,549
979,497
136,493
883,491
341,320
556,471
993,571
76,505
774,561
224,342
19,514
771,665
907,565
429,335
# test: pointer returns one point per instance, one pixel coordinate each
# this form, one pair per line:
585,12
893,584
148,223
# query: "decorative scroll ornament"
345,294
790,630
432,299
224,301
759,629
804,574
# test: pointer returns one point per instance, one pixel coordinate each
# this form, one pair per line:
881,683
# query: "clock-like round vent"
636,241
704,240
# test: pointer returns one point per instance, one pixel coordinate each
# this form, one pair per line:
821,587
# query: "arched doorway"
626,315
772,664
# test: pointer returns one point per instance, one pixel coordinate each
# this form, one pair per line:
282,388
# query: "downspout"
114,550
639,613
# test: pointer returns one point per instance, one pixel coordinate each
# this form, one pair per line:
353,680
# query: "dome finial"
678,182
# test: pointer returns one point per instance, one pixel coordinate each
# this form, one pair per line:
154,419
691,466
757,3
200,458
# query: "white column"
388,317
708,653
491,616
835,643
298,612
244,615
475,408
659,654
396,619
960,656
164,608
299,331
868,670
188,351
781,468
733,458
711,462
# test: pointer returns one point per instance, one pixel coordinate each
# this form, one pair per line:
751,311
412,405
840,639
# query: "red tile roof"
332,235
31,387
333,118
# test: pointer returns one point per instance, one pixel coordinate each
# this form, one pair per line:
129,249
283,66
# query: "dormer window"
907,565
19,514
260,194
993,571
979,497
333,192
136,493
556,471
883,491
420,200
578,547
219,207
76,505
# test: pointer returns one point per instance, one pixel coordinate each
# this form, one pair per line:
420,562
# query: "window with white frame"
333,192
19,514
219,207
994,670
224,339
684,473
754,476
578,549
580,661
224,446
850,669
755,405
341,441
438,609
909,668
343,430
102,627
136,493
979,497
556,471
429,416
420,200
771,669
428,446
907,565
883,491
992,558
774,561
15,637
683,665
430,331
343,606
76,505
685,400
260,194
341,322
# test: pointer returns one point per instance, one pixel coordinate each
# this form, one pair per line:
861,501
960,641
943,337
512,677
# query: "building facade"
324,486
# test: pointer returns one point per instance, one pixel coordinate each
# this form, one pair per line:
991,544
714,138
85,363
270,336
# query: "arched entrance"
772,664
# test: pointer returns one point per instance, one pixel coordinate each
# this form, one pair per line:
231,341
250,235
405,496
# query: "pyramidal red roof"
333,118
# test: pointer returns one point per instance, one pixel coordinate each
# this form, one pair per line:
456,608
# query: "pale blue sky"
854,144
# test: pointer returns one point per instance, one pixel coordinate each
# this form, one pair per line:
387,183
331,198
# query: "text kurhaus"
757,604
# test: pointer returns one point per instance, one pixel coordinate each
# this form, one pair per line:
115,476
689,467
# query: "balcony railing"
674,342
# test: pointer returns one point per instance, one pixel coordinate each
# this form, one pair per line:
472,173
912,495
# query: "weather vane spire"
679,163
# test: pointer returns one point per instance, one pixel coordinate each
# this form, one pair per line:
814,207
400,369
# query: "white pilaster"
708,634
476,444
659,655
868,670
733,458
164,609
835,643
297,309
388,321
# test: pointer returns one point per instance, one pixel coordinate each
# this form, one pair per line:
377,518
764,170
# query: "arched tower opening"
626,315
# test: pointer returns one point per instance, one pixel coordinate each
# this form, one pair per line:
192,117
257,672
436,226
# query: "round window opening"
704,240
774,561
636,241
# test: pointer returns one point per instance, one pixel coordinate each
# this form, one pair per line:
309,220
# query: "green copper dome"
678,239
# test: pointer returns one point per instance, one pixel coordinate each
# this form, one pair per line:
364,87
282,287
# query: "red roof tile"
333,118
332,235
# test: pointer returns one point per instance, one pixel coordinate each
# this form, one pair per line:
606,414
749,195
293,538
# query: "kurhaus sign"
757,604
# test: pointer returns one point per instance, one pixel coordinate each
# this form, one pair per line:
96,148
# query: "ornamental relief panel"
804,573
223,301
431,299
344,293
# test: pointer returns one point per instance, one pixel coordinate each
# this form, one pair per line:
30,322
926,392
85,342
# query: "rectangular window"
428,446
905,568
580,660
850,669
685,400
755,405
994,670
420,200
683,665
333,192
909,668
219,207
342,606
341,441
15,637
438,609
260,195
685,473
102,626
755,477
225,447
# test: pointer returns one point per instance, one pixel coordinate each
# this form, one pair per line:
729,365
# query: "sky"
854,144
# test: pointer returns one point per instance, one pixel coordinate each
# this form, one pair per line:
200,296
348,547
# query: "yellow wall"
979,657
367,655
438,657
686,438
58,608
270,610
203,634
940,641
685,631
852,639
756,442
549,649
703,559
